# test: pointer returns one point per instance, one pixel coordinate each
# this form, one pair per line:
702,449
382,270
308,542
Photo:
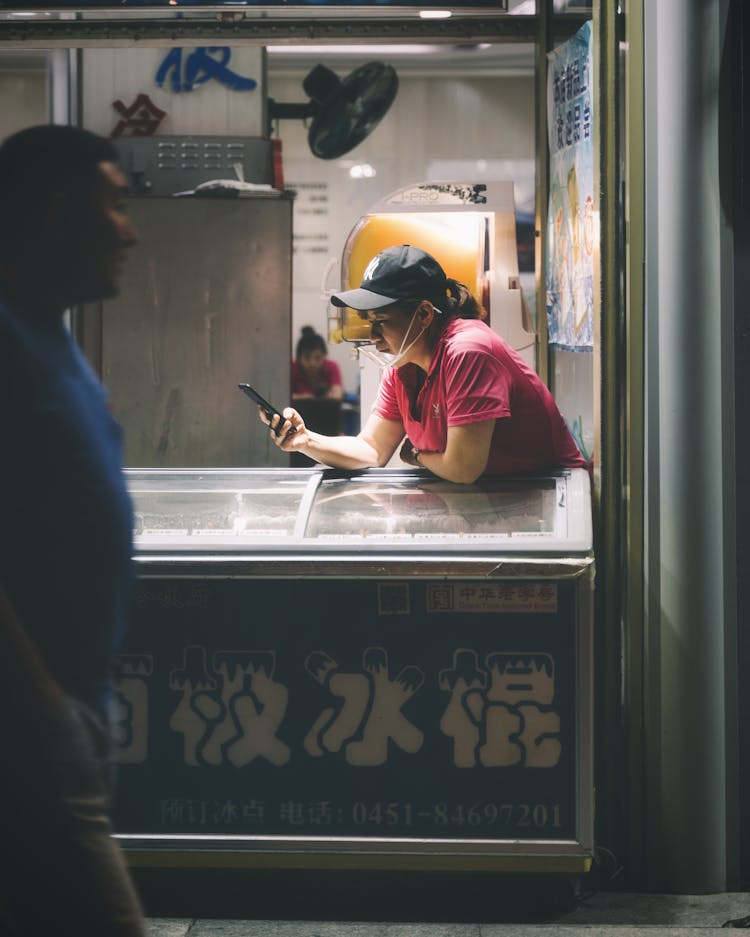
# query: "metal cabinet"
205,303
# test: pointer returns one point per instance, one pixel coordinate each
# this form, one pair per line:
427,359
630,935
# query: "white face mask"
385,359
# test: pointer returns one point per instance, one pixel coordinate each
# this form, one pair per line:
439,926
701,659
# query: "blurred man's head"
63,221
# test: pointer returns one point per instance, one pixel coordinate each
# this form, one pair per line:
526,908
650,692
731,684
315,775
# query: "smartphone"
269,410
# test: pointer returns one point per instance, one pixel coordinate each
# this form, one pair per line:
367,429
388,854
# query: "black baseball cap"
402,272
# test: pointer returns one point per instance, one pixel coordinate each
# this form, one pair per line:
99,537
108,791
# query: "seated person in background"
467,402
313,373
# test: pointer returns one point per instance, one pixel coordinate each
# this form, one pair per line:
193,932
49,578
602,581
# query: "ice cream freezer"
379,668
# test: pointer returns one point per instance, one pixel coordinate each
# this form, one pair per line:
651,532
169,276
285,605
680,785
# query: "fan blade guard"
353,108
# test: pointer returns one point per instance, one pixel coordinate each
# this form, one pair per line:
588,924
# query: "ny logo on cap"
371,268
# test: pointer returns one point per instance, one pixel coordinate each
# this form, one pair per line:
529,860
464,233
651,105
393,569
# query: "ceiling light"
434,14
353,50
362,171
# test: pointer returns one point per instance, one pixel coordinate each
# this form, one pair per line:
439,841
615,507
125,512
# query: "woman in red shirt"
313,372
467,402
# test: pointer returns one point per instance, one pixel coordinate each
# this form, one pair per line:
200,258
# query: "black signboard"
343,708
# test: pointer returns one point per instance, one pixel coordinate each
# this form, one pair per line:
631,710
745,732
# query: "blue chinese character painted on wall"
199,67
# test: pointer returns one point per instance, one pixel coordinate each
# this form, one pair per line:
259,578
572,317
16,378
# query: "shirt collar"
407,373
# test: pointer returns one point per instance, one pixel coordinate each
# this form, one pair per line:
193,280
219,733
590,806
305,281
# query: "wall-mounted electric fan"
343,111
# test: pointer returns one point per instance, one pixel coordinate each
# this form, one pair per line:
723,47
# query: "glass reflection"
217,506
430,508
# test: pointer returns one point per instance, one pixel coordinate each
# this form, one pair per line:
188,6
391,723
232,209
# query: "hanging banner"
570,222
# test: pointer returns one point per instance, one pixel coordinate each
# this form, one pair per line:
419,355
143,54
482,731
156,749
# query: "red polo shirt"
476,376
330,376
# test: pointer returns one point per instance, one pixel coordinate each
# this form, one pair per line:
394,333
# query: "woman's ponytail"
461,303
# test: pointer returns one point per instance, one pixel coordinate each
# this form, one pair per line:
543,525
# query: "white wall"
23,98
433,119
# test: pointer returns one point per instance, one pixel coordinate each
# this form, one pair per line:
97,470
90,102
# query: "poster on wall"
570,226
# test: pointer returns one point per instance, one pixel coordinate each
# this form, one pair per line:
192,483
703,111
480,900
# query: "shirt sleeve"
386,403
477,388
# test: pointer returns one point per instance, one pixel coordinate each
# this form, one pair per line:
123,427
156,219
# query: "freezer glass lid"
214,506
432,509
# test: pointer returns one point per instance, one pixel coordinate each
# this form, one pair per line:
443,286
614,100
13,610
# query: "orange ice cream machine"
470,229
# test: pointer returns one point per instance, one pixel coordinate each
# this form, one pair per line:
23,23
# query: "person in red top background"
465,400
313,372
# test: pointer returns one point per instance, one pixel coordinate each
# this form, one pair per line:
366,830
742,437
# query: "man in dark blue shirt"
65,539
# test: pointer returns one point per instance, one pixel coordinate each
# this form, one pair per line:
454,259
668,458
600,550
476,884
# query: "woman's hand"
289,434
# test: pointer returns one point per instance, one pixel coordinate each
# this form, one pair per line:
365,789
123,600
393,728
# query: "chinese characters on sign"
231,711
443,708
231,714
456,817
367,709
501,715
492,597
571,231
179,71
141,119
201,65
